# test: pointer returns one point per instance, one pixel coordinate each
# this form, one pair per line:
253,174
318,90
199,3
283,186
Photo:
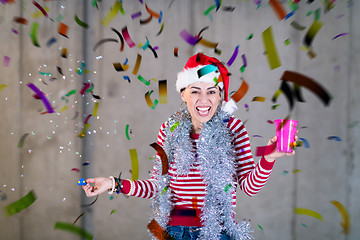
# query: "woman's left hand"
275,154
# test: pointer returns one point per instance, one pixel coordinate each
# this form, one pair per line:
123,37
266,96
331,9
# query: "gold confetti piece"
308,212
345,223
259,99
270,48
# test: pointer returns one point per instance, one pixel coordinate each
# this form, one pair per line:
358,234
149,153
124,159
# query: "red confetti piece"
75,170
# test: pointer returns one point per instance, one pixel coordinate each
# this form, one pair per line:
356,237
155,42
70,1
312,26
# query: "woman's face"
202,100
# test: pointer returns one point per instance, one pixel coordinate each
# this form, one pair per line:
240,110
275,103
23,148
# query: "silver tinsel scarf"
216,158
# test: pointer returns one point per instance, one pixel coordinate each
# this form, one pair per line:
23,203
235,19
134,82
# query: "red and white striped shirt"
188,191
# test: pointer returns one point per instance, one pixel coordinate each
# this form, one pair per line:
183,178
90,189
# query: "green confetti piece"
242,69
164,190
174,126
147,83
20,204
80,23
250,36
70,92
287,42
113,211
207,11
22,140
45,74
308,13
317,14
127,131
260,227
284,173
33,34
74,229
59,18
353,124
155,104
227,187
275,106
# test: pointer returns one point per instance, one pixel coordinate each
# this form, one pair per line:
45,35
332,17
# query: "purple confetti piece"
136,15
42,96
339,35
233,57
156,48
14,31
244,60
188,37
6,61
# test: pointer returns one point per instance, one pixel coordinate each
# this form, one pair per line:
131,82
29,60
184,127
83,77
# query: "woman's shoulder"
235,125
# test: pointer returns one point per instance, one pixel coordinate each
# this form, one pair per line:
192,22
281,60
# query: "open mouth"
203,111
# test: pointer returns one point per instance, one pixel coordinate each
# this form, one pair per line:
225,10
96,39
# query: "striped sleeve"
251,177
148,188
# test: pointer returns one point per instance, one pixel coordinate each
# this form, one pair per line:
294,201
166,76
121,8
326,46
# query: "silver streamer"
216,157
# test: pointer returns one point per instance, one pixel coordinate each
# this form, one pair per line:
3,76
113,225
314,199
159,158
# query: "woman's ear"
183,95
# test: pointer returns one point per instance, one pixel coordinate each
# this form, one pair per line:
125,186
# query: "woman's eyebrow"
196,88
211,87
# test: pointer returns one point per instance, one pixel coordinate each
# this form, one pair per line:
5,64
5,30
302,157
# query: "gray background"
329,169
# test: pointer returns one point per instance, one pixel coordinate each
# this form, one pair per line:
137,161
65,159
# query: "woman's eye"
194,92
211,92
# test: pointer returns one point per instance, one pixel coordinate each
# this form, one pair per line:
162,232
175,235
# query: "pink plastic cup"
285,133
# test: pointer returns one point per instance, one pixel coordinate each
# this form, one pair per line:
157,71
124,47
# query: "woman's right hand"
101,184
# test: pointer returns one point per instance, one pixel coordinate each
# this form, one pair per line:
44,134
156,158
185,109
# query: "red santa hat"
202,68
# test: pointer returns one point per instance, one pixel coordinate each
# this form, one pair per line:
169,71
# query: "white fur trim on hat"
229,106
190,76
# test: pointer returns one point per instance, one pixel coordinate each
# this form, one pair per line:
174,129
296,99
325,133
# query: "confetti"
42,96
137,65
127,37
121,39
309,83
163,157
260,227
151,12
51,41
163,98
40,8
270,49
278,9
297,26
127,132
265,150
345,223
64,52
22,140
136,15
143,80
148,100
242,69
240,93
63,29
339,35
33,34
176,51
206,70
233,57
338,139
20,204
305,142
227,187
6,61
308,212
188,37
103,41
134,164
80,23
113,12
173,127
311,33
74,229
259,99
21,20
2,86
88,205
155,228
78,218
75,169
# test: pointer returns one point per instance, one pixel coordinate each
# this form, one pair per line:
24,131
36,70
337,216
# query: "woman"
209,154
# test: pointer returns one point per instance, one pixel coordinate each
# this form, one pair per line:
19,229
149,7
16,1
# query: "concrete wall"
329,169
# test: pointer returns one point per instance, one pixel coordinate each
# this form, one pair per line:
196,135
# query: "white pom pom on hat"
190,74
